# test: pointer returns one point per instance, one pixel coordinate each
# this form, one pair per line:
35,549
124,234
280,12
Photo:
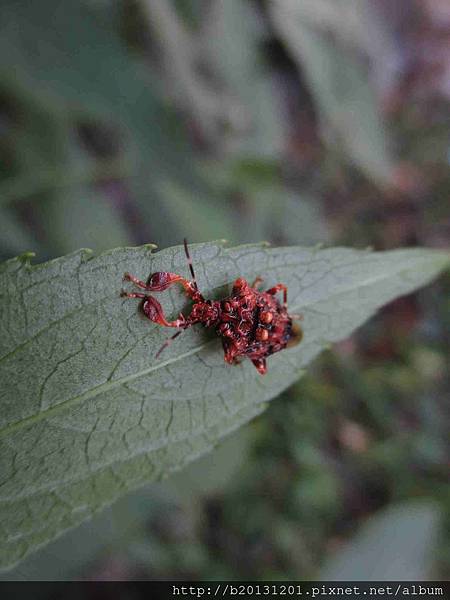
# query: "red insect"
251,323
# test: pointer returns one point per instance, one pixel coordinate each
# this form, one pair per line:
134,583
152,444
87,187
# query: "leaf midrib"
108,385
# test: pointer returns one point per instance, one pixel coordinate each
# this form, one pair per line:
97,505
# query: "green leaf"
88,413
338,79
231,39
71,61
397,544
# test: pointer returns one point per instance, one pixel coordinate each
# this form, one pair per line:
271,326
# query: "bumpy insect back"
254,324
251,323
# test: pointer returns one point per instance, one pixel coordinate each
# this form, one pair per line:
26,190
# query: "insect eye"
296,336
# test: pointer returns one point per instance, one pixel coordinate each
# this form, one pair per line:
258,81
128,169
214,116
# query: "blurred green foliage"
136,121
97,154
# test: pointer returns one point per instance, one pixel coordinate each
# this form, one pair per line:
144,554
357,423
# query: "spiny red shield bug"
251,323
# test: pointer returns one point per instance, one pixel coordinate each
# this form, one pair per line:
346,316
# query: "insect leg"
153,311
135,280
230,351
257,281
161,280
278,288
168,342
125,294
260,364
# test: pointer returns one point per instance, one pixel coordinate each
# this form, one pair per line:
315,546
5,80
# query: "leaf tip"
150,246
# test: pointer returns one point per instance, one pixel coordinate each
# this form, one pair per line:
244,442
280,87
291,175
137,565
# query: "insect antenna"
191,266
168,342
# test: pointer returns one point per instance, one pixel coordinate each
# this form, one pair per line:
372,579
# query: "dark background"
126,122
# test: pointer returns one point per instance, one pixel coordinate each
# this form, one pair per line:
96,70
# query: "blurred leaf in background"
73,55
396,545
94,132
326,39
